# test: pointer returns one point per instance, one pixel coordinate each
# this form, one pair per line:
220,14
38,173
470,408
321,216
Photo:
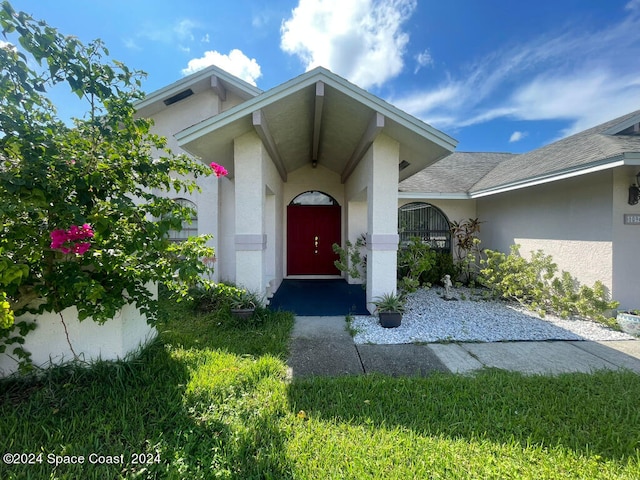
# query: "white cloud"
517,136
7,45
584,77
179,34
361,40
184,30
131,44
423,59
633,5
236,63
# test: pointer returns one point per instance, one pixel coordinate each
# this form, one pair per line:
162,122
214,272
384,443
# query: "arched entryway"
313,226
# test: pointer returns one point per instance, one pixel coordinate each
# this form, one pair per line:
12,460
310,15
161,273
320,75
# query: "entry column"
250,238
382,218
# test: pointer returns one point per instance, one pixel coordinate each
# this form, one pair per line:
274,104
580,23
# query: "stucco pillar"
382,218
250,237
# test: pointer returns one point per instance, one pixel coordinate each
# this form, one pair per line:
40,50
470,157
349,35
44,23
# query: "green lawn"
210,399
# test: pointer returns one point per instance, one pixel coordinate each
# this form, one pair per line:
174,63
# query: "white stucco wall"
175,118
568,219
274,226
626,241
183,114
356,188
118,338
378,170
250,236
225,249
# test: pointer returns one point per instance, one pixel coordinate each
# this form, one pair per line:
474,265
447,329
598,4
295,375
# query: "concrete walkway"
322,346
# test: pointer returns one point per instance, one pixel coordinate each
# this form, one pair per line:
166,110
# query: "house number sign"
631,219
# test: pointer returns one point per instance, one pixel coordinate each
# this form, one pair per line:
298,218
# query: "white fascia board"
622,126
617,161
433,196
632,158
182,84
305,80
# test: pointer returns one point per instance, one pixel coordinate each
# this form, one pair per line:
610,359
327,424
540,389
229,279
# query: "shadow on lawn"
592,414
147,405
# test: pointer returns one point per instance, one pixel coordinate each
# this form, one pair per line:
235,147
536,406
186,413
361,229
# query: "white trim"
313,277
383,241
433,195
629,158
250,242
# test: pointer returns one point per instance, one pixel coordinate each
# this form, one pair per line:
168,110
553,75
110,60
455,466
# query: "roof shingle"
475,172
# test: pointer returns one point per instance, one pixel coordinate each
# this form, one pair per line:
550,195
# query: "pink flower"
66,241
81,248
88,231
219,170
58,237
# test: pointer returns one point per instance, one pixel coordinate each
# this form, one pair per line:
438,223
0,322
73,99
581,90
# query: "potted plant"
390,308
243,304
629,321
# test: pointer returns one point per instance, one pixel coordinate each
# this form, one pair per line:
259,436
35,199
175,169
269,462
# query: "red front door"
311,232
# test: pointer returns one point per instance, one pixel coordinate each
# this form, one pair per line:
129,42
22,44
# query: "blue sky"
498,75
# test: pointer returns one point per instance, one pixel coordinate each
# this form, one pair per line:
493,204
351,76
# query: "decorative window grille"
313,197
426,222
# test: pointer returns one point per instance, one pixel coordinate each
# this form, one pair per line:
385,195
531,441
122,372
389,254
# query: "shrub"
468,250
443,265
535,284
81,223
414,259
351,259
220,298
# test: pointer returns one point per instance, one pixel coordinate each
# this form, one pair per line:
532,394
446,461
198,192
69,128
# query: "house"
312,162
317,161
570,198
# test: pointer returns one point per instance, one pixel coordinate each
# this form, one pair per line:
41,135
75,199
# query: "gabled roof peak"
197,81
620,125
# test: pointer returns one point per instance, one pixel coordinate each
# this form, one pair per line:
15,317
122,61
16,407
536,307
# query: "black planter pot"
390,319
242,313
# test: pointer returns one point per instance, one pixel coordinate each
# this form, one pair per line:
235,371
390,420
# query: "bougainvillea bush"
83,219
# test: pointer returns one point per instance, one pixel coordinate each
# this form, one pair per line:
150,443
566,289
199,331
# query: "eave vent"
178,96
403,164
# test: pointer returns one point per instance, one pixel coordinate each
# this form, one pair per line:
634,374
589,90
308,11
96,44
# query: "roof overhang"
209,78
627,158
434,196
320,118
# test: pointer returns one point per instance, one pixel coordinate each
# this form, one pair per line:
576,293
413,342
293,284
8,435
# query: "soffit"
287,115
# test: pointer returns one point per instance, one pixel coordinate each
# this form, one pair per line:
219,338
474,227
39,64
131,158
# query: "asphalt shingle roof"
474,172
577,151
454,174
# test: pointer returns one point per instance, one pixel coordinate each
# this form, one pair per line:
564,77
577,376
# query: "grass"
210,399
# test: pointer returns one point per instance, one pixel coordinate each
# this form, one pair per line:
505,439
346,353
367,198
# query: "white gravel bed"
430,318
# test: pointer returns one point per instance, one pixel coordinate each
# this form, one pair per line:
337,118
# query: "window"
424,221
189,229
313,197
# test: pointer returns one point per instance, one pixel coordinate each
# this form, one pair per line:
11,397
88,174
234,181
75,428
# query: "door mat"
320,298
